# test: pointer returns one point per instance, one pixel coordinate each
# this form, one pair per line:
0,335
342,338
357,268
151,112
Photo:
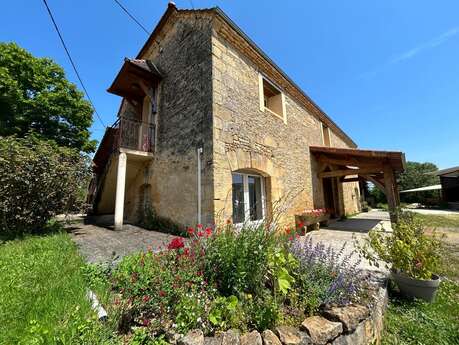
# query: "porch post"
391,190
120,186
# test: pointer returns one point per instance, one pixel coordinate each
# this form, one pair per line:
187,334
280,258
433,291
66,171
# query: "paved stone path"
351,230
99,244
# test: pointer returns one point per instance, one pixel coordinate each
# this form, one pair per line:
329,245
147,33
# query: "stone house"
210,128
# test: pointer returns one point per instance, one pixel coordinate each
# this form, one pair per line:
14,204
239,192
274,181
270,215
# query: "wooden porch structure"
352,165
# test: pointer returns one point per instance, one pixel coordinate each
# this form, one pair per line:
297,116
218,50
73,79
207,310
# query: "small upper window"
271,98
326,135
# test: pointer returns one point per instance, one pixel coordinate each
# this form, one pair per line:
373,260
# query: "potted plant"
314,218
412,256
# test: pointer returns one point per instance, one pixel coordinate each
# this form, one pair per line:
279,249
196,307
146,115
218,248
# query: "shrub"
326,276
237,260
149,220
38,180
406,249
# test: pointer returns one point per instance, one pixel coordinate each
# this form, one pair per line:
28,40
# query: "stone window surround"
262,78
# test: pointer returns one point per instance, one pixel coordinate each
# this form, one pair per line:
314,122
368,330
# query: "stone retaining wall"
350,325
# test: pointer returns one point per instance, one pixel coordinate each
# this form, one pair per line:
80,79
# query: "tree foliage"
36,97
38,179
417,175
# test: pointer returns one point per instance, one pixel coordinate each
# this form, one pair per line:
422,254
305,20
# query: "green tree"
418,175
36,97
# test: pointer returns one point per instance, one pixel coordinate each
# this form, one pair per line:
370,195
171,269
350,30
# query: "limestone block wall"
247,138
182,53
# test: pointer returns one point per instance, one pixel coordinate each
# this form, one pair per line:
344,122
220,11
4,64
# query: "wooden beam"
346,172
350,179
376,182
390,184
351,162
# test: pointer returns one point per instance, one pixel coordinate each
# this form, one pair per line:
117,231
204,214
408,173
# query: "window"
325,135
248,198
271,98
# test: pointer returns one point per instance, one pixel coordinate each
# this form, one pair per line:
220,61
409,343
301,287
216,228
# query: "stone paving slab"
99,244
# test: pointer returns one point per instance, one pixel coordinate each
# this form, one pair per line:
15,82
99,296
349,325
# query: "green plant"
263,311
407,248
225,312
236,260
190,311
38,180
281,263
151,221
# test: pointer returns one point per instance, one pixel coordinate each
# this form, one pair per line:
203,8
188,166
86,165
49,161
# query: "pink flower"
200,234
199,226
208,232
190,231
146,298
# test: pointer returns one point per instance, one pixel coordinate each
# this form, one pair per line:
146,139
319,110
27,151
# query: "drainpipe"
199,184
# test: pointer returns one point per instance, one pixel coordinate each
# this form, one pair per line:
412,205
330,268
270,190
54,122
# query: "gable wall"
247,138
184,123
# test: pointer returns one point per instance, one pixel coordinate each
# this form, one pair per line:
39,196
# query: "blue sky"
387,72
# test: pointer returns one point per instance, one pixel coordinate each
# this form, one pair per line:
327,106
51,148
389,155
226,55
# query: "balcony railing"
135,135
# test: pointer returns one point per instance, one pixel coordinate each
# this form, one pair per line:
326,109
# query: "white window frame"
261,95
245,184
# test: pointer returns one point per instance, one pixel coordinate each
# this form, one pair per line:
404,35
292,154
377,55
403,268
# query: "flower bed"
220,279
314,217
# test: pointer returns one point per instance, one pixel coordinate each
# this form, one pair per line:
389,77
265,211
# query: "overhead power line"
71,61
132,17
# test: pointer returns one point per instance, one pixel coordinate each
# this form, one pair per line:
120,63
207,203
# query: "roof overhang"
449,172
357,158
423,189
131,78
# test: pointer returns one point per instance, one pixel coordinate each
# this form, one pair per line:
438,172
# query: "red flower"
190,231
162,293
199,226
186,252
176,243
200,234
287,231
208,232
146,298
301,225
145,322
290,238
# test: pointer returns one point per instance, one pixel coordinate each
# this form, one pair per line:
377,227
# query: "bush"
244,278
406,249
38,180
149,220
326,276
237,260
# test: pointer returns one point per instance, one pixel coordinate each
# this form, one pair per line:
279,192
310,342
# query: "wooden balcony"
134,135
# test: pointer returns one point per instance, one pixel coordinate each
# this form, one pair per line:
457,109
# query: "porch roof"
358,158
133,76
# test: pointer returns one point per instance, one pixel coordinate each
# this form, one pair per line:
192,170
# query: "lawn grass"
440,221
43,294
417,322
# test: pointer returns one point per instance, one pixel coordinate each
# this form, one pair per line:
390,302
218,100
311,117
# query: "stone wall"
347,325
250,139
182,53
